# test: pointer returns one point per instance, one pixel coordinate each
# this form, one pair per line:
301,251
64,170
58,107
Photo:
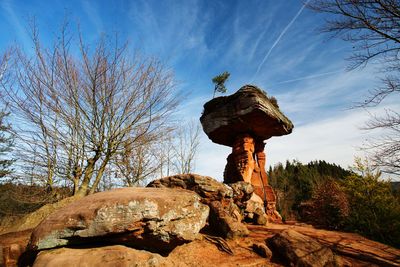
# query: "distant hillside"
294,182
20,199
326,195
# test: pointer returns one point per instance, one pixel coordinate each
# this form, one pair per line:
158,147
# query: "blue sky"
272,44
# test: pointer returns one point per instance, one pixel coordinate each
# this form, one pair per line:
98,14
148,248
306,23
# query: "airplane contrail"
278,39
309,77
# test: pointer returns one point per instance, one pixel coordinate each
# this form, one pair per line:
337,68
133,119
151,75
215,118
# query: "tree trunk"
83,189
99,174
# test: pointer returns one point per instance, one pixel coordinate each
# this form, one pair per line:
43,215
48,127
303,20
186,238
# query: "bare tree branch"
78,108
373,29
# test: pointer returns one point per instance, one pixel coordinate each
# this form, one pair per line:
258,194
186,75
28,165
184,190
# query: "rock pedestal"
247,163
243,121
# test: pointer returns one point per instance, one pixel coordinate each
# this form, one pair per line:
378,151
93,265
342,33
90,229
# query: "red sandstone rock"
227,219
350,249
241,163
242,192
262,250
248,111
353,248
208,188
109,256
12,245
153,218
243,121
300,250
228,203
247,163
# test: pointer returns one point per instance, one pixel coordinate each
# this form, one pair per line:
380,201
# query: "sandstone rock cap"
248,111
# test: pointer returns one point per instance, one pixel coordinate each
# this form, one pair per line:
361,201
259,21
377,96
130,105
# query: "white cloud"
278,39
335,140
321,97
14,18
91,10
171,31
211,158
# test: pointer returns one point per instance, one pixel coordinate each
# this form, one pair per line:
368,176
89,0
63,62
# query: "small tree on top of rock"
219,82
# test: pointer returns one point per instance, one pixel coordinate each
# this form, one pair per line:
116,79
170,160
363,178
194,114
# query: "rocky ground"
185,220
350,250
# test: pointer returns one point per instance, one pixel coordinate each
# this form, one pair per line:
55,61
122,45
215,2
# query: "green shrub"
375,211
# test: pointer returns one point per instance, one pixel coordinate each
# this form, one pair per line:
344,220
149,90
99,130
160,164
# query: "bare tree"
4,65
373,28
185,147
78,108
139,162
167,155
384,151
151,158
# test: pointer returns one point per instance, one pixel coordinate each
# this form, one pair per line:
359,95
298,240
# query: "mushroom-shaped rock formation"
248,111
243,121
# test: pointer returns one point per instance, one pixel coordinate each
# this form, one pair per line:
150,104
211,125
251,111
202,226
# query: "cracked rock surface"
157,219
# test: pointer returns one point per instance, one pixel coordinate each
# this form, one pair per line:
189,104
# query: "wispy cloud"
313,76
15,21
170,30
92,14
308,100
200,39
337,139
278,40
211,159
248,30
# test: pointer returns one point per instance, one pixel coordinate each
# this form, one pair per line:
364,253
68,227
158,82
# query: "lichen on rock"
152,218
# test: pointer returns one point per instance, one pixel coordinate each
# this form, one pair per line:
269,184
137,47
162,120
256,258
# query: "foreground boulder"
151,218
295,249
208,188
228,203
108,256
225,219
12,246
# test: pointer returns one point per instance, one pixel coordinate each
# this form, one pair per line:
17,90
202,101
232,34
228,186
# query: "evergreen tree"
295,183
6,143
219,82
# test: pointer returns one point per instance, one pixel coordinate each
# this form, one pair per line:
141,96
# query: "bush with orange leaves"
328,207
